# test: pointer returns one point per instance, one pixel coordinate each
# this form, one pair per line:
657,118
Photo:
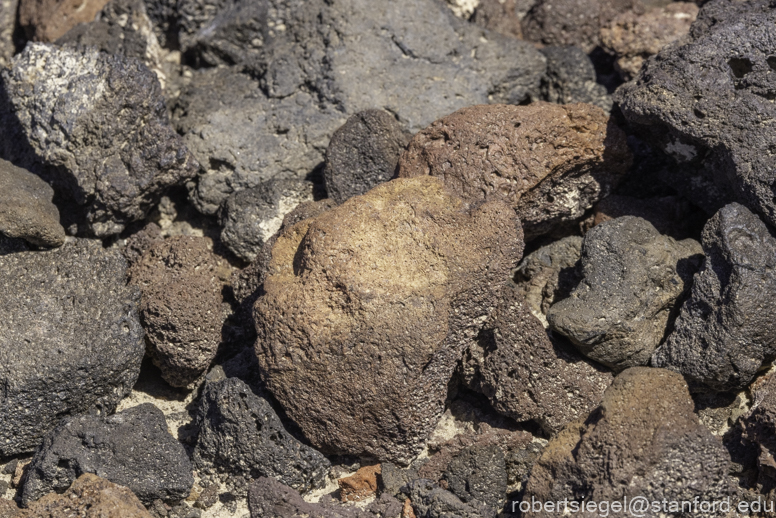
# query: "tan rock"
8,509
407,511
47,20
359,486
369,306
550,162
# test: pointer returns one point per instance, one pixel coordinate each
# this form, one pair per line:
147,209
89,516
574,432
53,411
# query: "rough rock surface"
363,153
719,108
644,441
240,434
479,473
131,448
514,347
113,176
570,78
501,16
723,333
549,275
633,280
412,58
26,210
671,215
550,162
633,37
47,20
368,308
759,427
89,497
181,280
8,9
361,485
67,320
430,500
251,217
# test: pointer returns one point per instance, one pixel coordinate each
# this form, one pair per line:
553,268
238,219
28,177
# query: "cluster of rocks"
342,258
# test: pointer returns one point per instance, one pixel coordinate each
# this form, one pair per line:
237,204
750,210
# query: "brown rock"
407,511
359,486
633,37
643,441
369,306
181,307
8,9
528,377
550,162
47,20
759,427
499,16
8,509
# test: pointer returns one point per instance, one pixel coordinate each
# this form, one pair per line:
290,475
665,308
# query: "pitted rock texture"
572,22
570,78
250,217
67,320
430,500
363,153
720,102
368,307
514,347
643,441
8,10
550,162
633,280
47,20
131,448
412,58
549,274
240,434
361,485
501,16
26,210
633,37
723,333
672,215
108,178
759,428
182,310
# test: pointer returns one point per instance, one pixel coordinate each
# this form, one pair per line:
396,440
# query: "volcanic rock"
181,280
363,153
723,333
47,20
633,279
501,16
368,307
570,78
359,486
431,501
240,434
670,215
550,162
110,177
759,427
8,10
26,210
70,338
131,448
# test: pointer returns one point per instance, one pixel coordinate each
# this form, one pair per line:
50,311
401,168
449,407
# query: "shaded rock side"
724,331
633,280
47,20
8,11
571,78
550,162
368,307
67,320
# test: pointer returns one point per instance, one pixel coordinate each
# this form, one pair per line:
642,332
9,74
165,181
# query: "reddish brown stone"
359,486
407,511
550,162
47,20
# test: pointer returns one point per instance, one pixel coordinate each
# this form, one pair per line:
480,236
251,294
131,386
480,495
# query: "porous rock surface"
251,217
501,16
240,434
633,279
26,210
67,320
47,20
108,178
8,10
363,153
331,60
720,102
643,441
181,280
723,334
671,215
571,78
759,427
428,499
368,307
514,347
550,162
131,448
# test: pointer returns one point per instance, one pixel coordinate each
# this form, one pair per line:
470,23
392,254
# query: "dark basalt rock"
570,78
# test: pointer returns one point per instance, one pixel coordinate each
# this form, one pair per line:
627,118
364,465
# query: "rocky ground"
395,259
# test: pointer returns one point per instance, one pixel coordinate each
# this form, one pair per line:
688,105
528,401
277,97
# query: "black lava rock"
570,78
431,501
479,473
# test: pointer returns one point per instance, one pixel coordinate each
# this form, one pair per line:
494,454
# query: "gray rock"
393,478
549,274
570,78
250,217
8,10
111,177
724,332
633,281
240,434
70,338
715,122
131,448
331,60
26,210
479,473
431,501
363,153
